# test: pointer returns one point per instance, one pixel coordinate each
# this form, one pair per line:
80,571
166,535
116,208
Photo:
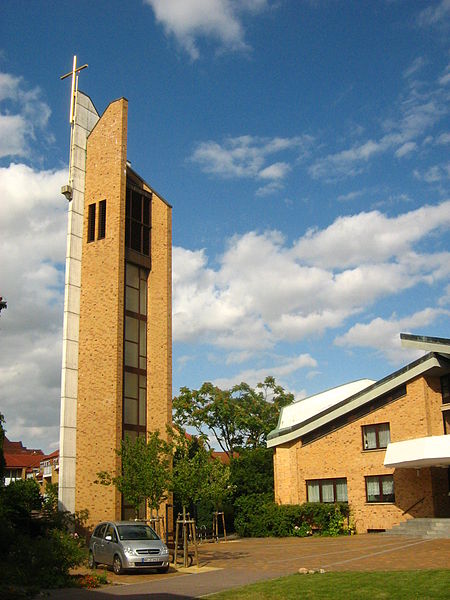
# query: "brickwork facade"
102,313
341,454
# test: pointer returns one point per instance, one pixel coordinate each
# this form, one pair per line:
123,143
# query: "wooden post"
185,540
175,552
224,528
194,537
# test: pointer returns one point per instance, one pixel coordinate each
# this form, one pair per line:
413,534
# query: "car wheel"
117,565
91,562
163,569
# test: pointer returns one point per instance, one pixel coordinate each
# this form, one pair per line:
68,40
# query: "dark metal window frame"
377,427
383,498
139,429
322,482
138,226
91,223
101,231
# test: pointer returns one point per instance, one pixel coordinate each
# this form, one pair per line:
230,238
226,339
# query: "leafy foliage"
191,469
218,487
145,473
252,472
36,546
238,418
258,516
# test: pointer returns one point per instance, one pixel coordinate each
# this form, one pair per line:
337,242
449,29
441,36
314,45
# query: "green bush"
259,516
36,546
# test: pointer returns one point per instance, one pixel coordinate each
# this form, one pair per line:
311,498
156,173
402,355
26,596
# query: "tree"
218,484
238,418
252,472
145,473
191,468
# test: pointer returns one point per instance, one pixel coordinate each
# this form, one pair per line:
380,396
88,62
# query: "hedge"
259,516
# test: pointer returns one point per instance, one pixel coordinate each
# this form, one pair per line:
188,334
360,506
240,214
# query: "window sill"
379,503
364,450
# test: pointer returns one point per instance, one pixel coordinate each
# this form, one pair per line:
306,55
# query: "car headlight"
164,550
130,551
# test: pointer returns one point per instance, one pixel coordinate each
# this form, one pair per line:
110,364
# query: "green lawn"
401,585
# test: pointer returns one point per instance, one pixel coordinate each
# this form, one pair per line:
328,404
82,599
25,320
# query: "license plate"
150,559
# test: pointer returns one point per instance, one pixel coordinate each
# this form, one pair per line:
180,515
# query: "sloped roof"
297,419
22,460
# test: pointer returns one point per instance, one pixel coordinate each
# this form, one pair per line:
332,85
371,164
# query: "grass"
379,585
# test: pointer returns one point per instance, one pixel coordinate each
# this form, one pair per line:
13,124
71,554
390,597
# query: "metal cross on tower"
74,72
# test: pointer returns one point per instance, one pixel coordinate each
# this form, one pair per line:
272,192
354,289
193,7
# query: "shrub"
258,516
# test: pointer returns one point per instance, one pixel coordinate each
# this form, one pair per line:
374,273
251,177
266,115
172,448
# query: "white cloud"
20,124
383,335
264,291
247,156
445,79
282,369
417,113
277,170
434,174
216,19
417,64
443,138
370,237
32,247
437,14
405,149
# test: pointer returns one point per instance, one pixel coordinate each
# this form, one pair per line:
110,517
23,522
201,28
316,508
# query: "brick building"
116,371
383,447
20,462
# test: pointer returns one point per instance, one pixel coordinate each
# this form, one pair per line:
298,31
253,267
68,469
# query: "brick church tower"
117,341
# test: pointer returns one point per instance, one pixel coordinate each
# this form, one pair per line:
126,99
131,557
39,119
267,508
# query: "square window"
376,436
380,488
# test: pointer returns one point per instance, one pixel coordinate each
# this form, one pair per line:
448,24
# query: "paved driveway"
236,563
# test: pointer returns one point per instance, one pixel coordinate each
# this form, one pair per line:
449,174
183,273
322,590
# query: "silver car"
127,545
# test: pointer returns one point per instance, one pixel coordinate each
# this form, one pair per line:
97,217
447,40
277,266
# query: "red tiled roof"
54,454
223,456
18,448
22,460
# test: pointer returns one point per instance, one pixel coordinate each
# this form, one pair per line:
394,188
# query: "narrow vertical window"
91,223
101,220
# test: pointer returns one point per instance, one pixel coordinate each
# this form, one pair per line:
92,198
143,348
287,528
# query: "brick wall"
99,412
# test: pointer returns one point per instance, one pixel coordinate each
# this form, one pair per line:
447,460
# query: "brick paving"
239,562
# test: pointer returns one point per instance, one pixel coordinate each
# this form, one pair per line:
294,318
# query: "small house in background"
383,447
21,462
25,463
48,470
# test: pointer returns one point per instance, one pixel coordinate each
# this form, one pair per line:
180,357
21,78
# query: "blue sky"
303,145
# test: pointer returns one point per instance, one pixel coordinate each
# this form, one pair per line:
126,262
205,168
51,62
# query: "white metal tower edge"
84,117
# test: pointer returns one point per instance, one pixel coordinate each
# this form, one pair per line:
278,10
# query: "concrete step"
422,527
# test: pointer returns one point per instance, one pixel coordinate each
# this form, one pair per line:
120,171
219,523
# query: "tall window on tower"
101,220
138,219
91,223
135,351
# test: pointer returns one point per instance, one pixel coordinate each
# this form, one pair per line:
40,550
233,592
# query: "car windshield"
136,532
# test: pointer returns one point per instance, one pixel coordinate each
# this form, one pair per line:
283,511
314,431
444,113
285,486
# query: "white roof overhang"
432,451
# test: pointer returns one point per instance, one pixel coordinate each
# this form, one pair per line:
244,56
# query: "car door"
97,543
109,544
